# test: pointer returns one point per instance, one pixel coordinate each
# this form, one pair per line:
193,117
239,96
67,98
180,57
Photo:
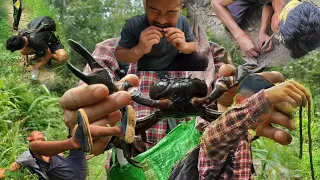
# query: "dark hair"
181,1
301,30
15,43
253,84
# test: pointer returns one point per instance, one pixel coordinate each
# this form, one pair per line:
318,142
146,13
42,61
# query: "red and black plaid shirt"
230,132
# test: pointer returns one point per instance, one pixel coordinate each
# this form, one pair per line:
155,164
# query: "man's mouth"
162,26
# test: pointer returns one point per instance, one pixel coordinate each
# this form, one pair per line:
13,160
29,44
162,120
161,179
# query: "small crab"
172,97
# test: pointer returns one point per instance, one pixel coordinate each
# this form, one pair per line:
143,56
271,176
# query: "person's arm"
277,8
220,137
220,8
47,57
128,55
189,47
267,12
132,53
245,42
25,57
13,167
44,60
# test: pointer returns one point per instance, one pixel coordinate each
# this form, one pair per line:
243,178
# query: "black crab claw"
243,71
99,75
85,54
127,152
223,84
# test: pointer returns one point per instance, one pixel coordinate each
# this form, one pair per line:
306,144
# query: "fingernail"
122,99
99,92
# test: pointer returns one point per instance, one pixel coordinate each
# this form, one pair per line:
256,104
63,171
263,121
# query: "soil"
251,25
45,76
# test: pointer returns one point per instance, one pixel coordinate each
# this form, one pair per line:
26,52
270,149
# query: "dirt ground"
45,75
279,55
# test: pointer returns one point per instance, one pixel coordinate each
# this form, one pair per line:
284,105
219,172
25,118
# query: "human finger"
175,36
269,47
177,41
261,43
226,70
288,99
282,119
255,51
273,76
171,31
84,95
305,94
111,104
153,32
111,119
278,135
155,28
131,78
297,98
101,109
153,36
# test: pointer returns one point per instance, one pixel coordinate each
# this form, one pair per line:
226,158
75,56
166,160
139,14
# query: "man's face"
36,136
163,13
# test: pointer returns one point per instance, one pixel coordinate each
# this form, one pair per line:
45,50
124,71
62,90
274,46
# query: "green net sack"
157,162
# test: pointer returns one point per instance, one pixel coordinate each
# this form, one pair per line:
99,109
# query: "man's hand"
148,38
176,37
247,45
31,68
96,101
280,136
263,38
288,92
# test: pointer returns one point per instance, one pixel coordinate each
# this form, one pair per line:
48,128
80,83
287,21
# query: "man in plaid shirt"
230,132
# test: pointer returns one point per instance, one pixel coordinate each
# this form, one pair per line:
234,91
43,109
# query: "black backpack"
38,24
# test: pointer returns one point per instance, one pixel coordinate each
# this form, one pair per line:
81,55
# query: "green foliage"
22,174
306,71
97,170
276,160
102,20
281,161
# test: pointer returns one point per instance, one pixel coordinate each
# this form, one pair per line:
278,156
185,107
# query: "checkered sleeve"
225,134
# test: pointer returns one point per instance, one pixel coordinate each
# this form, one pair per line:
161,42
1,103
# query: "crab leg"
100,75
222,85
211,115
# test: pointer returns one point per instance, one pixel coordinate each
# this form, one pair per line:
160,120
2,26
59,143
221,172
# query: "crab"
172,97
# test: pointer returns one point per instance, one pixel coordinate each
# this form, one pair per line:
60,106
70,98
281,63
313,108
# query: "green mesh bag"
157,162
